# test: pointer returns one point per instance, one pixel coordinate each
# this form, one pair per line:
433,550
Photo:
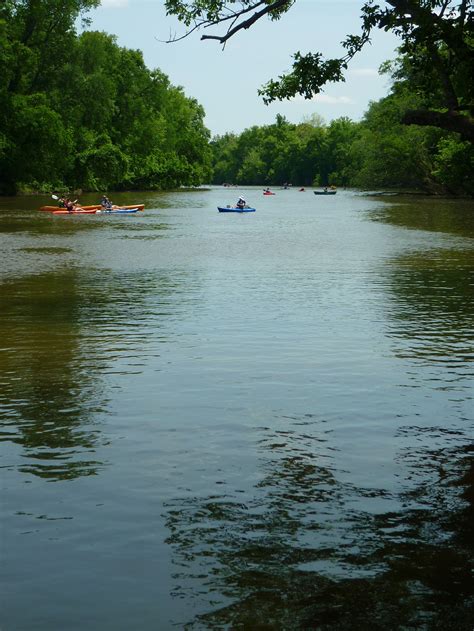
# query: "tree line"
420,136
79,111
379,151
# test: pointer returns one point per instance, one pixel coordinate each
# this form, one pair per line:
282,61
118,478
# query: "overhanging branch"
269,8
450,121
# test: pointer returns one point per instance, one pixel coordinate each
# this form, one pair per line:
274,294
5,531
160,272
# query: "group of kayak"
241,205
68,207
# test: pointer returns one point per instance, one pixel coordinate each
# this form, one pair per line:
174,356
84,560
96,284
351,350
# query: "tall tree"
82,112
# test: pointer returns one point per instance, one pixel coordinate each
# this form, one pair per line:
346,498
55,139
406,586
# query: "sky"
226,81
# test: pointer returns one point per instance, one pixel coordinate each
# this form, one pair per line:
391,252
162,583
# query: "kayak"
117,211
80,211
133,207
268,193
234,209
53,209
324,192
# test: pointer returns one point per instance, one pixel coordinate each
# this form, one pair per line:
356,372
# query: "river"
222,421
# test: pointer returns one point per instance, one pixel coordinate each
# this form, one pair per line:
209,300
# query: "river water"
222,421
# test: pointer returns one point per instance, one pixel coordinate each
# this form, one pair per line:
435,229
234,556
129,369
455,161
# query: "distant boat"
324,192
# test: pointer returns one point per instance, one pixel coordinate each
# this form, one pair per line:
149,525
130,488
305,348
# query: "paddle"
63,203
58,198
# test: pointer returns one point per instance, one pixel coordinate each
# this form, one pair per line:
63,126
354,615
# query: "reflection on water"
250,422
63,332
431,312
49,400
425,213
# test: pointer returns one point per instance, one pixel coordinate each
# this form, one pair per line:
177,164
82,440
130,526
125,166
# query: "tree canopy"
437,43
79,111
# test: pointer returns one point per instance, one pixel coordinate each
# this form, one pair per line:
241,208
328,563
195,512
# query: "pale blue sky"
225,82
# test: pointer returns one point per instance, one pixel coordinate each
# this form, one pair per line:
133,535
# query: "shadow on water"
305,549
63,332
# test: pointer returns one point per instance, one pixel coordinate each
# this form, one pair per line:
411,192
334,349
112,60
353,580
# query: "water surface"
237,421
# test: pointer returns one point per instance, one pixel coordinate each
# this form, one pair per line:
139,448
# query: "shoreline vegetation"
81,112
206,187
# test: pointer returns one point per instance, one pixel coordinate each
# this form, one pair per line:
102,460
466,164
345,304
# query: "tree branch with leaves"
436,36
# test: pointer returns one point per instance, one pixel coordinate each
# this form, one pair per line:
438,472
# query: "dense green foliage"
380,151
80,111
303,154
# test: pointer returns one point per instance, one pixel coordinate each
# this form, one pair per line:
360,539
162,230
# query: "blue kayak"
118,211
234,209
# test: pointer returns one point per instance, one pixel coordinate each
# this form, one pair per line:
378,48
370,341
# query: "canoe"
53,209
324,192
80,211
234,209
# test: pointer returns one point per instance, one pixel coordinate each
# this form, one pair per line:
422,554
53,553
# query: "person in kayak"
241,203
105,202
69,205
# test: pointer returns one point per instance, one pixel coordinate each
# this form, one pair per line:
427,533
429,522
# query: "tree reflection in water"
61,331
46,391
449,216
431,308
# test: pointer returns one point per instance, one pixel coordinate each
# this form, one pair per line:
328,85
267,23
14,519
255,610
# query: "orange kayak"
79,211
89,209
54,209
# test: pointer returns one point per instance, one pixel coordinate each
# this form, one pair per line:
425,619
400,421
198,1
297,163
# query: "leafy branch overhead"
436,42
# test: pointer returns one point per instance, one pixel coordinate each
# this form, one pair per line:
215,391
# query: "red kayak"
87,209
268,193
79,211
53,209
